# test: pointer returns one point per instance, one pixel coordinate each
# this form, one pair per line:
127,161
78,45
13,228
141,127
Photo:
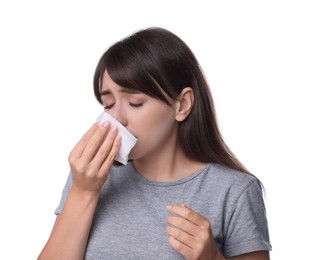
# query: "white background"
261,59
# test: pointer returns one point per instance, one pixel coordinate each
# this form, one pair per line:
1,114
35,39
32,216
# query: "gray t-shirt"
130,217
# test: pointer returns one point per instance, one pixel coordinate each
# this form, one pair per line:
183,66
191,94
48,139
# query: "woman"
183,195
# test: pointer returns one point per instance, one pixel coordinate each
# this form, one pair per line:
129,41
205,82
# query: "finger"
184,225
180,247
181,236
95,142
106,166
80,146
186,213
105,149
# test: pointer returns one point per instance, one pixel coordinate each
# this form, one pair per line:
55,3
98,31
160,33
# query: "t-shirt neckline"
171,183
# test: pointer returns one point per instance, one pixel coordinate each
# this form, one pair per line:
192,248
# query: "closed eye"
108,106
136,104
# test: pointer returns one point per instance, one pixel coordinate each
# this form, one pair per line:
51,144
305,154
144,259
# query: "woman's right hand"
92,158
90,161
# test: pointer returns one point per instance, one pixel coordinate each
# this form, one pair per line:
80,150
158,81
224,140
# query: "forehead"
108,86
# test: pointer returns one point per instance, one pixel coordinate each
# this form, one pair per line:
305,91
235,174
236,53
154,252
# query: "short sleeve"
247,228
65,193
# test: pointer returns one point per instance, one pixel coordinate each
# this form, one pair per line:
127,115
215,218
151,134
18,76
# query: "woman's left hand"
190,234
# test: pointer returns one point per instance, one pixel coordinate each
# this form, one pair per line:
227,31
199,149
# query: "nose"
119,115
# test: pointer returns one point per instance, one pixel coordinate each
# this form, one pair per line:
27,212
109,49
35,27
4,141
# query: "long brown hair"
156,62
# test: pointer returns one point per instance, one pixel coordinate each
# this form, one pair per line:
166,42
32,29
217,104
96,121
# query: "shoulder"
228,178
229,185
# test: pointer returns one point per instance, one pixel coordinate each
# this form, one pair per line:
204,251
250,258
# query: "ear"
184,104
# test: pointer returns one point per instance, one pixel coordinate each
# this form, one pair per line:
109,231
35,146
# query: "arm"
70,232
90,162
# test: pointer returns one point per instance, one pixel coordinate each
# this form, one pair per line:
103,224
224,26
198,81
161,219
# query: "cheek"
153,129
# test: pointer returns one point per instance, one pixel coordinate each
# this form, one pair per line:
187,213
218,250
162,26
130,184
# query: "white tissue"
128,140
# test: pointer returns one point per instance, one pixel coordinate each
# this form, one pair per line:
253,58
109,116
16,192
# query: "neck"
170,165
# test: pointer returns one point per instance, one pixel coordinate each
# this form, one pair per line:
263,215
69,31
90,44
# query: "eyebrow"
122,90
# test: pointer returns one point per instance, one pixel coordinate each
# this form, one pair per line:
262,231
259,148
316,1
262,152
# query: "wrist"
83,196
80,202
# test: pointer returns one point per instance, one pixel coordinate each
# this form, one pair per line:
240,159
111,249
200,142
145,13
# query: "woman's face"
151,121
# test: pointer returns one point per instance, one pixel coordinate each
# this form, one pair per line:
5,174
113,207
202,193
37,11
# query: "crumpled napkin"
128,139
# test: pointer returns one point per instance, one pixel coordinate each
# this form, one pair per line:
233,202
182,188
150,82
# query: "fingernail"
168,207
